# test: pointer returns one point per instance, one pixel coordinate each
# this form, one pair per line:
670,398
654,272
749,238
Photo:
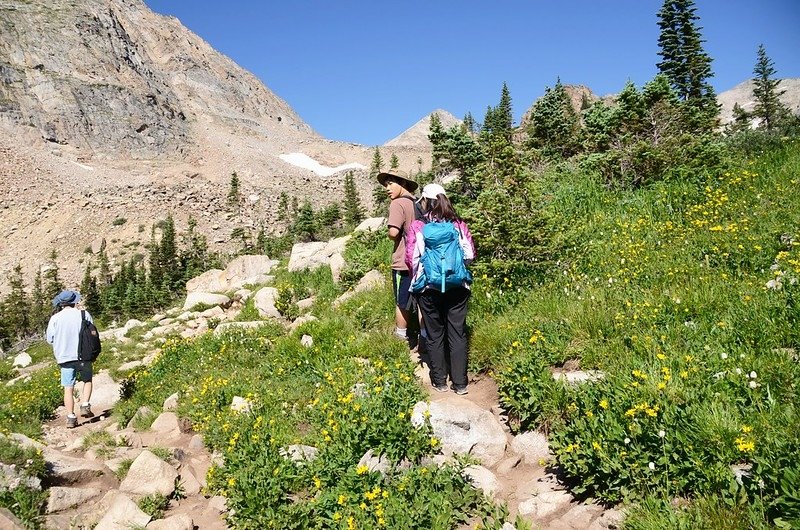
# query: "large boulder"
464,427
149,474
202,298
264,301
70,470
371,280
228,326
239,272
371,225
316,253
532,446
62,498
122,514
105,392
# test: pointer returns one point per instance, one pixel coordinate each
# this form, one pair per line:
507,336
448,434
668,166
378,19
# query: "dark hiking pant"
445,316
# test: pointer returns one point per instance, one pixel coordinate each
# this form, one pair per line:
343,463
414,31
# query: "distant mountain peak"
417,134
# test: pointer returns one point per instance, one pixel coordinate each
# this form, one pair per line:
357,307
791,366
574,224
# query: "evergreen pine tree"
234,192
156,276
768,108
104,270
16,307
283,208
500,120
194,259
329,220
394,162
740,122
380,201
469,123
90,293
52,283
353,211
304,227
684,61
168,254
39,303
554,125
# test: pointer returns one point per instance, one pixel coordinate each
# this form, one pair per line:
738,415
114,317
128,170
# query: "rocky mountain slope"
112,117
743,95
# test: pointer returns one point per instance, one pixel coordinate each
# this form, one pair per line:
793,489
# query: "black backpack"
88,341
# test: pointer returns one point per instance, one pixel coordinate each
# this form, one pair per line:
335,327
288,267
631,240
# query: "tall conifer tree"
768,104
16,305
684,61
353,211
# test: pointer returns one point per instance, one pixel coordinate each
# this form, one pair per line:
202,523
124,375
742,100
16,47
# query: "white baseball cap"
432,191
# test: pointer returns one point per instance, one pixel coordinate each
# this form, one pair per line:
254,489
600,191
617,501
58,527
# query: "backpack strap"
83,314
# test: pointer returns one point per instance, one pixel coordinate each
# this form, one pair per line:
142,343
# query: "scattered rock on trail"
149,474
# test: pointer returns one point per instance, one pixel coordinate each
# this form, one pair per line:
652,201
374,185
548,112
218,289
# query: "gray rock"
377,463
240,404
464,427
575,377
148,475
194,298
307,341
300,453
482,479
265,302
545,504
372,280
299,321
191,486
105,392
123,514
171,403
179,521
69,470
370,225
532,446
63,498
126,367
22,360
166,423
196,443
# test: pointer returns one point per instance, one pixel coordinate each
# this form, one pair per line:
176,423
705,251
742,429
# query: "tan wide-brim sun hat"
401,176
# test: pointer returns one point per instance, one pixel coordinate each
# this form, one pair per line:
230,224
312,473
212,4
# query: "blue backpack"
443,260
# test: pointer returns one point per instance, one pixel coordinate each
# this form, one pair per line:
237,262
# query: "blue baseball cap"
66,298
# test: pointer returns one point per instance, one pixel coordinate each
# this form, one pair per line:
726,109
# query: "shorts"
401,283
72,370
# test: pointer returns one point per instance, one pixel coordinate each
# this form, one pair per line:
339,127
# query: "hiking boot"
72,422
86,411
441,388
460,390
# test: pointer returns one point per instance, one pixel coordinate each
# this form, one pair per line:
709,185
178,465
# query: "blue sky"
364,71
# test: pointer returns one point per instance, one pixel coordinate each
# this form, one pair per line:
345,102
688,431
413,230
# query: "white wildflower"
753,374
627,441
652,466
661,433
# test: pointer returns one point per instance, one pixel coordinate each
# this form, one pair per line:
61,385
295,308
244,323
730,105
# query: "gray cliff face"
115,79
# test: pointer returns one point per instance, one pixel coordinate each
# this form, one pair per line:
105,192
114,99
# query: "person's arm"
466,243
51,332
395,220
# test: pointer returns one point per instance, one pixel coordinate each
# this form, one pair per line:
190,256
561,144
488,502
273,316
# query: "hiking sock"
401,332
